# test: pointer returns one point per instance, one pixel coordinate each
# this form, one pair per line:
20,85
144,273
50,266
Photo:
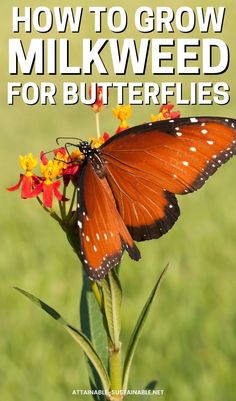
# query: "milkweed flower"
71,167
48,187
122,113
98,104
165,113
97,142
28,180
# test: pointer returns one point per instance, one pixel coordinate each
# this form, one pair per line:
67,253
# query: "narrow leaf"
92,326
137,331
112,296
78,336
95,396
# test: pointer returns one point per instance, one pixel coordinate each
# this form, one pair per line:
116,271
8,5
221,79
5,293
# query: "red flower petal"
43,158
60,150
27,183
71,170
48,195
120,129
17,186
57,194
106,136
36,179
70,174
66,179
37,190
175,114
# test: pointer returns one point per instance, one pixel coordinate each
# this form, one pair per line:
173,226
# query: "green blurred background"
188,344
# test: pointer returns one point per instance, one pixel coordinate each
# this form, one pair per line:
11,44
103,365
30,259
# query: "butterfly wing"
147,164
102,233
148,210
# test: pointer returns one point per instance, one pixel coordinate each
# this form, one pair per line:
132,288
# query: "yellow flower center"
122,113
76,155
50,171
60,160
28,163
97,142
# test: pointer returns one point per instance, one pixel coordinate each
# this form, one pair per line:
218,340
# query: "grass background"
188,344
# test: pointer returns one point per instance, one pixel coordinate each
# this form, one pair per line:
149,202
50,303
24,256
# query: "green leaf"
78,336
137,331
95,396
112,296
92,326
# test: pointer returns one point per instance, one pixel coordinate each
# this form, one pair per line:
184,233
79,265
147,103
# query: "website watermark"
154,392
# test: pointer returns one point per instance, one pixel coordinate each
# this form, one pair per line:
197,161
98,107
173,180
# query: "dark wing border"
168,127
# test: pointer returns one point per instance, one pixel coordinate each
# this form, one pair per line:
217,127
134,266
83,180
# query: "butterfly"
127,187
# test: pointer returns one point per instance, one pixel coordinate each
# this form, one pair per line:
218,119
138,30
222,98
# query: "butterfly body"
94,157
127,187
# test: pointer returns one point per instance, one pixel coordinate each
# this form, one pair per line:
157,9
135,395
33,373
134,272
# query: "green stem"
72,204
115,373
98,125
62,205
97,294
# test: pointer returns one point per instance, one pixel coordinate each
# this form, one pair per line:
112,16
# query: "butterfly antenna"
46,153
63,138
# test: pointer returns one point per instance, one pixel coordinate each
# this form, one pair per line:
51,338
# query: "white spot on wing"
204,131
210,142
194,120
185,163
193,149
87,238
179,134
